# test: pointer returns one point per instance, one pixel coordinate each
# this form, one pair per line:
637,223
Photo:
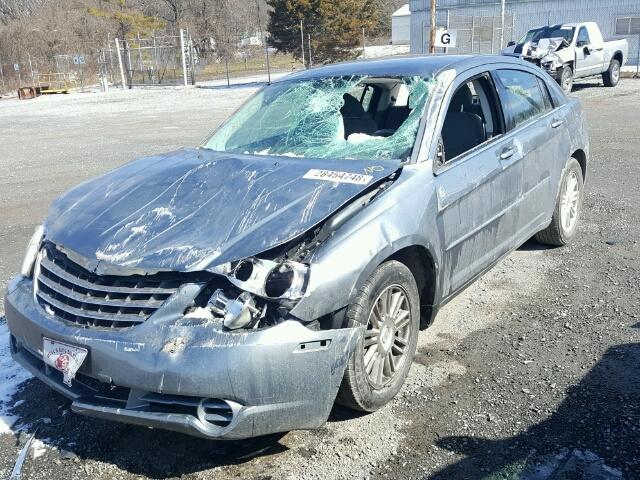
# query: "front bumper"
186,375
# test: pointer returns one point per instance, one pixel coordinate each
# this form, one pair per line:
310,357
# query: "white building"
401,26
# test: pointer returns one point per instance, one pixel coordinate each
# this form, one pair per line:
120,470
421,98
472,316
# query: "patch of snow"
138,230
11,377
200,313
357,138
38,448
373,51
291,154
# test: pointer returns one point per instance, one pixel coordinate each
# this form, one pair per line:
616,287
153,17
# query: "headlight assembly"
269,279
32,252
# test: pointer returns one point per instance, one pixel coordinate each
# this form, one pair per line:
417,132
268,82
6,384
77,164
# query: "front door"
589,57
479,182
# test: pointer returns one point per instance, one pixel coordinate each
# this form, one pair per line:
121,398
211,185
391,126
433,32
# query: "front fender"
388,224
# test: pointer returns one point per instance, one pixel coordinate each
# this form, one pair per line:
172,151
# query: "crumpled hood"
194,209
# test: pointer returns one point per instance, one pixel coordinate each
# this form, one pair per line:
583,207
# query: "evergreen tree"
333,28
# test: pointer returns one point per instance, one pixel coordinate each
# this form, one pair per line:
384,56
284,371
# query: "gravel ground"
531,373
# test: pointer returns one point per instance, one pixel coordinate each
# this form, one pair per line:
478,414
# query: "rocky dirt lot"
532,373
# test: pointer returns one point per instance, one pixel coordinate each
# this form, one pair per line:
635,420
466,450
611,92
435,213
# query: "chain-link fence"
153,60
58,74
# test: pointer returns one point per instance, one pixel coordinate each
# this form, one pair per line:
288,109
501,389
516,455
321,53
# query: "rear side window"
524,98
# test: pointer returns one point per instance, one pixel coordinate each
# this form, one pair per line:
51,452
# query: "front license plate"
64,357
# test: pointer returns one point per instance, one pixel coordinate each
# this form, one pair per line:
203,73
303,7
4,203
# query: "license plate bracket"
64,357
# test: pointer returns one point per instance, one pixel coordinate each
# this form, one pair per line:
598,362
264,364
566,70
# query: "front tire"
612,76
566,214
388,304
566,79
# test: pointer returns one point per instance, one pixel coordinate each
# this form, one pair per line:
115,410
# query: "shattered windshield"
556,31
356,117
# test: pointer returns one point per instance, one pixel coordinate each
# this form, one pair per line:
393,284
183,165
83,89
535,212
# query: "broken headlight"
261,293
268,279
32,252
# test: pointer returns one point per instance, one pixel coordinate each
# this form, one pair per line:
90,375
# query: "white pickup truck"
572,50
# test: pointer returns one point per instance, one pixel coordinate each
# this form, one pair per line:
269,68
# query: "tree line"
332,29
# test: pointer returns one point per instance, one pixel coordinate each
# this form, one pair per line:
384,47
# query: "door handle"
508,153
556,123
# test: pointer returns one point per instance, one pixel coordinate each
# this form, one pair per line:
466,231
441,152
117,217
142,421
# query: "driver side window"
471,120
583,37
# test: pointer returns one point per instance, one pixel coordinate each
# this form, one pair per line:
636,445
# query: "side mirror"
587,50
511,43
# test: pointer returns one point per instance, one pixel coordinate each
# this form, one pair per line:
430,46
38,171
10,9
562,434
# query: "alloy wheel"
570,202
567,81
615,73
386,340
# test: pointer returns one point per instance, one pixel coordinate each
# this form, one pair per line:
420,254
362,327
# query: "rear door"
537,127
478,182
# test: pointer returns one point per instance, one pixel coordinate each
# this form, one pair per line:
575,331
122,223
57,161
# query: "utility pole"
304,64
309,42
364,45
502,24
432,37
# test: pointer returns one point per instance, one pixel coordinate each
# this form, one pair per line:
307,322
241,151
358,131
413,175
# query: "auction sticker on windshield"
338,177
64,357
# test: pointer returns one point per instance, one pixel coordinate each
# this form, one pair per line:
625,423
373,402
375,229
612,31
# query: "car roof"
402,65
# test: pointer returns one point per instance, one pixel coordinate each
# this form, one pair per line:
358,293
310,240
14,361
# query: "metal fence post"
304,64
120,64
33,80
184,60
493,32
2,77
637,75
473,29
502,6
266,49
446,49
226,66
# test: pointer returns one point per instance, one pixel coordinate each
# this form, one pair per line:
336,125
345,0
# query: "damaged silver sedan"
241,288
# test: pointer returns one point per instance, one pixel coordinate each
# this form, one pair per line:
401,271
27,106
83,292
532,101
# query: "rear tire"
612,76
389,304
566,214
566,79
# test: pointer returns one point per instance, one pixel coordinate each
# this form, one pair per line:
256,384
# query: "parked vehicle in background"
241,288
572,50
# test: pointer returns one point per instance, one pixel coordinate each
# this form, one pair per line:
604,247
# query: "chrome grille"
75,294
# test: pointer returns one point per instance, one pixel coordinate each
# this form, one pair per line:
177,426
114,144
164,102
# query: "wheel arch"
618,56
581,157
420,260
